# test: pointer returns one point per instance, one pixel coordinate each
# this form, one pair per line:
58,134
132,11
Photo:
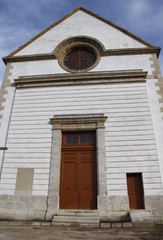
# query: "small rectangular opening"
135,190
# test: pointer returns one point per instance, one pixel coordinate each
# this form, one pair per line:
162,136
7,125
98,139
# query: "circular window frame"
78,43
85,47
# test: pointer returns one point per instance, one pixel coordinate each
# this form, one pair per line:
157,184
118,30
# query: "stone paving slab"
67,233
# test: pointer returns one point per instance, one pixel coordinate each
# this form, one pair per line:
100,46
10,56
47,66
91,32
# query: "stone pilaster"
101,173
53,196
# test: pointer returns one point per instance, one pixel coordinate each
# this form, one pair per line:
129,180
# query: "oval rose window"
79,59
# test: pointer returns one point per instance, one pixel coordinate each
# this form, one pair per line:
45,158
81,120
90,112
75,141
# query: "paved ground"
64,233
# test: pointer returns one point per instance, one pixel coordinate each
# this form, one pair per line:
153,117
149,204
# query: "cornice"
26,58
78,122
110,52
132,51
80,78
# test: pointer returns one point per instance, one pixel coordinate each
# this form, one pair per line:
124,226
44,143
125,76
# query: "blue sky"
21,20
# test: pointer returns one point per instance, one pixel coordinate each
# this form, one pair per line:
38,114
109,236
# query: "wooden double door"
78,178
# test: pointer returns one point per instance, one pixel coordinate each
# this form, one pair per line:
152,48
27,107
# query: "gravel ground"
67,233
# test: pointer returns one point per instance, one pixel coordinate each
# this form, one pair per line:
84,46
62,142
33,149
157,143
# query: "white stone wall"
130,139
109,63
81,24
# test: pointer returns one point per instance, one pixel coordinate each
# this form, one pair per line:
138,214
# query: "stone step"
77,213
75,224
142,218
75,219
82,221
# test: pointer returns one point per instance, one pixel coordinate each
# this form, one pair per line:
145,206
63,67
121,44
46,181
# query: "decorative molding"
81,78
78,122
103,52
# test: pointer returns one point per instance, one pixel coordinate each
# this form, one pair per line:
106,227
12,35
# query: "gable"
81,23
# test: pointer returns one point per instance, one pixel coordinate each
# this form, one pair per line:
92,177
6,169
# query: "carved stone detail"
78,122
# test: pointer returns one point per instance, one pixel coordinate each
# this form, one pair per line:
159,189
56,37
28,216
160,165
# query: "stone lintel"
76,122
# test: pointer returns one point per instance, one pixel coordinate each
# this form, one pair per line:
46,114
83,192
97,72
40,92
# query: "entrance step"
142,218
76,218
77,213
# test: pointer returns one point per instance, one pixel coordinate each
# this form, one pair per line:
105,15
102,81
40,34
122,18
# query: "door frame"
86,122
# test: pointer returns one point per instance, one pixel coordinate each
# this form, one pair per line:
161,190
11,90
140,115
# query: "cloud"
144,14
138,7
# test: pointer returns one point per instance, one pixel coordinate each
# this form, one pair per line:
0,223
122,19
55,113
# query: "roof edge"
70,14
117,27
44,31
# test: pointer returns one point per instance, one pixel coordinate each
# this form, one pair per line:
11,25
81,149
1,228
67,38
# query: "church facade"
81,123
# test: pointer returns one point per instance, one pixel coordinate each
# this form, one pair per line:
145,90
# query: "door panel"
68,185
135,190
69,180
88,180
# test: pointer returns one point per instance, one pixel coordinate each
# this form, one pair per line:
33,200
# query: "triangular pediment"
81,22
